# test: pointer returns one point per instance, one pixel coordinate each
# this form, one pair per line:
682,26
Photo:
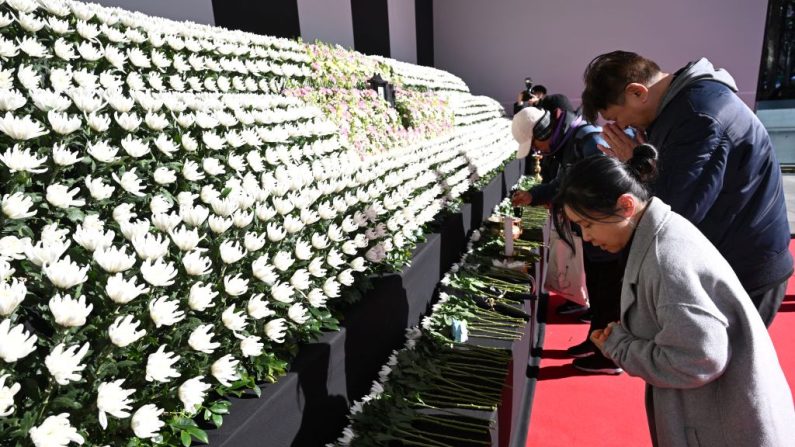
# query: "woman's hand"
599,336
521,198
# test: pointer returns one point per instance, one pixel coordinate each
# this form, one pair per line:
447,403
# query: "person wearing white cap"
564,138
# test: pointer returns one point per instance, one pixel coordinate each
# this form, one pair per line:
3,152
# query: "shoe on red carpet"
583,349
597,364
569,307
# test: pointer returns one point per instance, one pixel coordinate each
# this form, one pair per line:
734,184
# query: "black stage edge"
309,406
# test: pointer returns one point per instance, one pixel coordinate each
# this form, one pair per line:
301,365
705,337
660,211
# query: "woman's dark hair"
608,75
592,186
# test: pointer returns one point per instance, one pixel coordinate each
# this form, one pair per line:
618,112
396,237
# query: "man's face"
541,146
631,112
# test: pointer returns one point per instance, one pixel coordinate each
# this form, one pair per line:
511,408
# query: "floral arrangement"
422,78
335,66
173,226
454,362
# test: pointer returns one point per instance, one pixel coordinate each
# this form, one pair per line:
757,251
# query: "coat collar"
656,215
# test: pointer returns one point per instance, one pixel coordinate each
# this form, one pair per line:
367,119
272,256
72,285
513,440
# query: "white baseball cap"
528,122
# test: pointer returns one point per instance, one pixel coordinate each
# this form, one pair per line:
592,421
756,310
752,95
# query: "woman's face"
610,233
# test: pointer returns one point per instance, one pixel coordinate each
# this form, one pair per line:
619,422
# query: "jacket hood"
693,72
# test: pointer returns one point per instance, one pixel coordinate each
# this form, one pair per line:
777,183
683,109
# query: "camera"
528,86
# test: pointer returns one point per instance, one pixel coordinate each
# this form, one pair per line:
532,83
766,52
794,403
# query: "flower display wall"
173,226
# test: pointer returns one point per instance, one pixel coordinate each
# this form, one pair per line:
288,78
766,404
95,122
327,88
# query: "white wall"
402,30
199,11
326,20
494,44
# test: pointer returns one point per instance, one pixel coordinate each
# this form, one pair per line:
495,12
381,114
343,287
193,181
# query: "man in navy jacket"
716,164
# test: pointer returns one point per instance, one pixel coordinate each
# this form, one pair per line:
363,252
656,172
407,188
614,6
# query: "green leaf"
185,438
199,434
218,420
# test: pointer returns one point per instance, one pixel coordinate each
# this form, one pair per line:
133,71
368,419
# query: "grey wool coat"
690,331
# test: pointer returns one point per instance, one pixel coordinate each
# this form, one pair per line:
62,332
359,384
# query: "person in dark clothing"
529,98
556,101
565,138
717,166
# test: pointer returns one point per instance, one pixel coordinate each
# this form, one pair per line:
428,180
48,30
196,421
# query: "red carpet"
571,408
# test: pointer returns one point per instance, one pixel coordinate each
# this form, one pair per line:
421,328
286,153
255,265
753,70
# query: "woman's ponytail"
643,164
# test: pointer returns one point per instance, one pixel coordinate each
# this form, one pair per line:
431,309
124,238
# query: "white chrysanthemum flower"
128,121
64,364
16,342
150,246
160,273
62,123
113,259
201,339
124,331
194,215
7,394
263,271
18,159
114,400
192,393
331,288
55,431
160,366
31,46
98,123
316,269
62,156
164,222
102,151
219,225
195,264
225,370
258,308
123,291
130,182
213,166
242,219
61,196
17,206
298,313
190,144
89,52
64,50
28,77
282,292
11,247
300,279
164,176
165,145
201,296
231,251
190,170
265,213
346,277
283,261
276,330
11,295
156,121
65,274
235,285
45,252
134,147
146,421
319,241
164,312
234,321
92,237
251,346
87,31
358,264
275,232
11,100
185,239
70,312
254,242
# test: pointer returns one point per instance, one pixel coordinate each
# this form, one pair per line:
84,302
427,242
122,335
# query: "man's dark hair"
539,89
556,101
608,75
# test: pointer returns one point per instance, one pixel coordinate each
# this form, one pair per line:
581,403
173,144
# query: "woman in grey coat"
687,327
